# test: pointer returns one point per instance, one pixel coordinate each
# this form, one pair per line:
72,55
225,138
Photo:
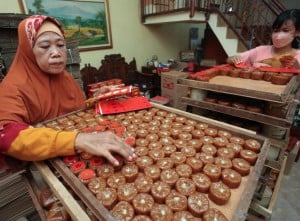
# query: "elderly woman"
38,88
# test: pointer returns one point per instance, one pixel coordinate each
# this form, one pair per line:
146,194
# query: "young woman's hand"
288,61
104,144
236,59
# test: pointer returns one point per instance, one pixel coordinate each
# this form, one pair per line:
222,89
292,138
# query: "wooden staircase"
238,25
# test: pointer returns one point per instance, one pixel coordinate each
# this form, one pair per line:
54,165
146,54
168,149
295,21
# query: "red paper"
122,105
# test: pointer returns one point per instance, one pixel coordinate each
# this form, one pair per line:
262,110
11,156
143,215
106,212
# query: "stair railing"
250,20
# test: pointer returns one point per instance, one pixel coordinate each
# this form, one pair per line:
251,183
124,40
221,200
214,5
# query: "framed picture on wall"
85,21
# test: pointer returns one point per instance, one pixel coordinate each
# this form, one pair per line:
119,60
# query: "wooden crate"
235,209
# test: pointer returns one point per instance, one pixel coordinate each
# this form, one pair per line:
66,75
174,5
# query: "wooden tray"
237,207
262,90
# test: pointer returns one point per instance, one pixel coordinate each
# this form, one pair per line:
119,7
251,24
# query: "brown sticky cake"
202,182
160,190
123,211
96,184
130,172
223,162
209,149
153,172
241,166
178,158
143,162
205,158
115,180
219,193
195,163
226,152
143,184
184,170
195,143
169,176
108,197
126,192
169,149
165,163
252,144
143,203
212,132
156,154
220,142
249,155
176,201
161,212
212,171
231,178
213,214
198,204
185,186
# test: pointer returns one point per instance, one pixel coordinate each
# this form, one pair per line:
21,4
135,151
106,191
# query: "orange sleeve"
33,144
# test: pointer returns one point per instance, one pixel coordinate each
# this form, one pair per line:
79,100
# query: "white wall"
130,37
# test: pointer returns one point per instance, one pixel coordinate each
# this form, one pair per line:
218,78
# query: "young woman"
38,88
285,45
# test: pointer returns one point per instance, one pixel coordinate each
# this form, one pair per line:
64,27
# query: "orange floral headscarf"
29,95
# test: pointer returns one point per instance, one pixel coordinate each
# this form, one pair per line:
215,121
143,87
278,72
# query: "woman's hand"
288,61
104,144
236,59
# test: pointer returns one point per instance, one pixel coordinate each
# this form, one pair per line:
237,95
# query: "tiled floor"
287,207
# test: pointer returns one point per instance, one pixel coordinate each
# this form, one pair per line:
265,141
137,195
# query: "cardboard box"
172,90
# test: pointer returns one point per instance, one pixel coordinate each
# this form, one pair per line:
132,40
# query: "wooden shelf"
258,117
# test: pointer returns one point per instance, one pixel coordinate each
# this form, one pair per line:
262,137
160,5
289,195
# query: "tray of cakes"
271,85
188,166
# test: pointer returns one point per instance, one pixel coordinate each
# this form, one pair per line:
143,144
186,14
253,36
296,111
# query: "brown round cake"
141,150
141,133
178,158
223,162
184,170
141,218
176,201
187,128
143,162
95,162
130,171
188,151
241,166
257,75
115,180
165,131
182,215
142,142
205,158
219,193
185,186
161,212
153,172
195,143
235,147
209,149
70,160
156,154
197,133
143,183
160,190
249,155
224,133
195,164
202,182
231,178
169,149
175,132
165,163
180,144
212,171
123,211
252,144
237,140
226,152
220,142
212,132
201,126
143,203
152,137
126,192
207,140
169,176
198,203
213,214
108,197
96,184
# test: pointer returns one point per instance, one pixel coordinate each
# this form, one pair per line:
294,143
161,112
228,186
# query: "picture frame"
85,21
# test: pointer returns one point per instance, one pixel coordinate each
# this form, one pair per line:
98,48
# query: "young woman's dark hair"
290,14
